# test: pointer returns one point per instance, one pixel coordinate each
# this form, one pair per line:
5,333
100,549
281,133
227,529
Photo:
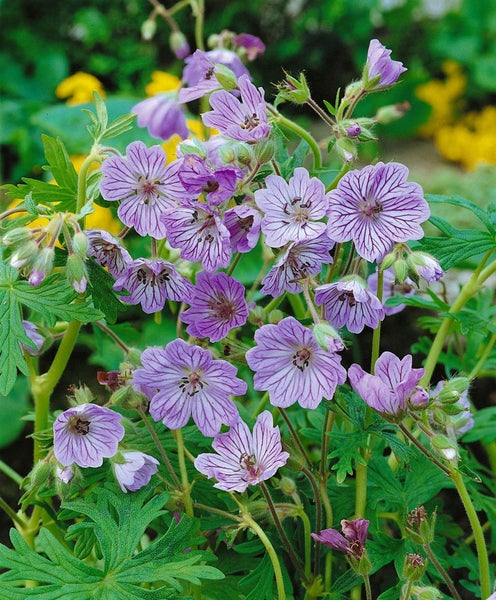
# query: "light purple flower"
35,336
292,367
150,282
107,251
351,543
200,235
380,64
426,266
251,44
136,470
229,59
389,389
217,305
198,177
243,459
349,303
292,210
300,260
244,120
390,289
162,115
64,474
243,223
86,434
187,382
146,186
375,207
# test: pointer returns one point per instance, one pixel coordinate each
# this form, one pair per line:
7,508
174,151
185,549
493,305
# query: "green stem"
294,435
199,12
406,592
344,169
234,264
484,356
360,489
444,574
186,487
368,591
302,133
276,566
376,336
422,449
480,542
112,335
297,305
11,513
92,157
472,286
274,303
43,385
14,475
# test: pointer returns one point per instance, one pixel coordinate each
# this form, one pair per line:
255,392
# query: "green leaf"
119,126
12,408
118,521
484,426
259,583
455,200
60,165
102,291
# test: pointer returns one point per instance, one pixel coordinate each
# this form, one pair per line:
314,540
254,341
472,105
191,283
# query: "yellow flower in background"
79,88
443,96
196,129
162,82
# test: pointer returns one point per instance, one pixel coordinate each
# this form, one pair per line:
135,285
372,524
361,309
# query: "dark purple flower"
217,305
150,282
300,260
352,543
244,459
292,367
86,434
375,207
349,303
389,389
186,382
380,64
200,235
243,223
389,289
218,185
146,186
108,252
162,115
244,120
292,210
135,470
252,45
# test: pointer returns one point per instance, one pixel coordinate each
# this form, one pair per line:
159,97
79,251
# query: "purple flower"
352,543
390,289
200,235
389,389
162,115
426,266
300,260
217,305
146,186
349,303
292,210
252,45
379,64
108,252
244,120
135,471
86,434
35,336
229,59
375,207
64,474
186,382
244,459
243,223
289,363
218,185
151,282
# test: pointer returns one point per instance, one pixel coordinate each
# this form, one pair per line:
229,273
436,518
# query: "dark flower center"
224,308
250,122
245,223
191,384
248,462
301,358
210,186
149,188
371,208
349,297
79,425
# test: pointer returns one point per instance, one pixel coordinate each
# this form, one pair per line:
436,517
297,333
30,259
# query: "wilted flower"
244,459
86,434
183,381
389,389
133,470
244,120
375,207
217,305
292,210
352,543
292,367
162,115
380,70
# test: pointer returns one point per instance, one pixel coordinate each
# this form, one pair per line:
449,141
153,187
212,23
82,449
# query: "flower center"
248,462
224,308
250,122
210,186
371,208
148,188
79,425
191,384
245,223
301,358
347,297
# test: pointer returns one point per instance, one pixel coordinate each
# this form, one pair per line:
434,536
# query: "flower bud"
80,244
419,398
400,269
346,149
264,150
76,273
257,316
82,395
388,261
179,44
148,29
391,113
424,265
414,567
293,90
275,316
287,486
353,130
353,89
444,447
225,77
40,474
426,593
16,236
24,254
327,337
42,266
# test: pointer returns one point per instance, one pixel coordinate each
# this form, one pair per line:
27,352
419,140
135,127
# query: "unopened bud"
327,337
414,567
264,150
346,149
419,398
148,29
426,593
40,474
179,44
80,244
275,316
445,447
257,316
41,266
293,90
424,265
24,255
400,269
76,273
287,486
225,77
353,130
391,113
388,260
16,236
